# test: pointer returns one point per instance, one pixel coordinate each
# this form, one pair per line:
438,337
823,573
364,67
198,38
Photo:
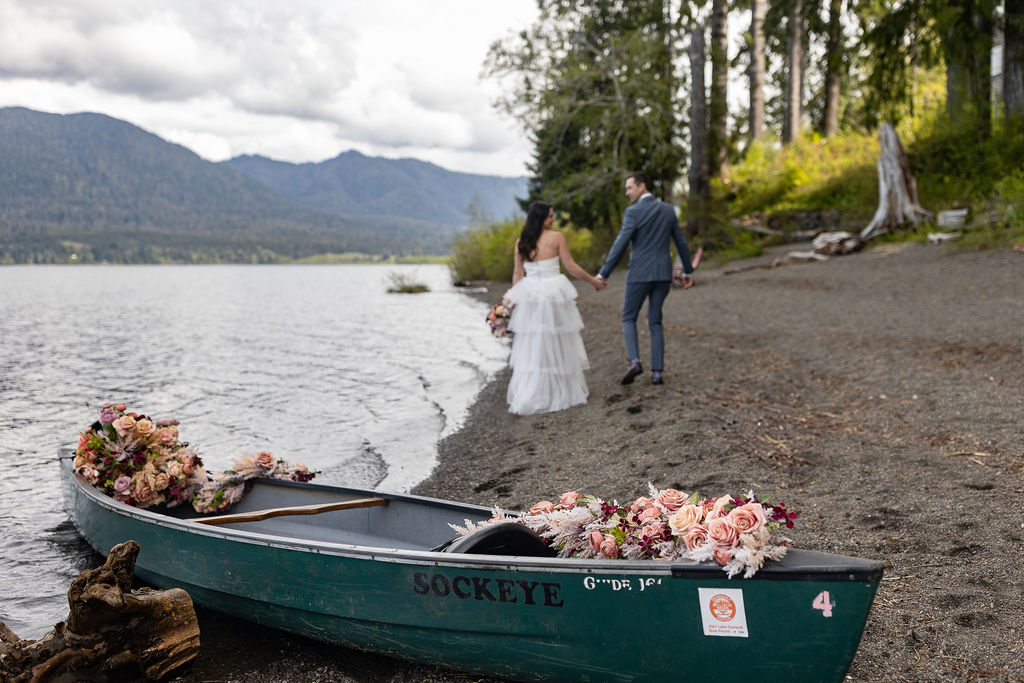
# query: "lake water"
316,364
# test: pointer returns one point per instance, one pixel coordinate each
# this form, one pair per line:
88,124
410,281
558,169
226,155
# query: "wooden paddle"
316,509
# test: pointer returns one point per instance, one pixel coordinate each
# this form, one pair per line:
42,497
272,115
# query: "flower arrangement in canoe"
737,531
498,318
225,489
142,462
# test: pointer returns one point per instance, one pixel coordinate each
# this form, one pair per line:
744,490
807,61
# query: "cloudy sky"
301,80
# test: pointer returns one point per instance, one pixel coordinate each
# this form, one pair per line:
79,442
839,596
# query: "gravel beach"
877,394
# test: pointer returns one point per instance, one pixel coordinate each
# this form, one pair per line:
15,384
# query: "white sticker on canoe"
721,610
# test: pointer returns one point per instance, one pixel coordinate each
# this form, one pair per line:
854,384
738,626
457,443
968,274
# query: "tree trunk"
718,106
833,66
968,50
700,185
1013,63
794,69
112,633
897,190
757,68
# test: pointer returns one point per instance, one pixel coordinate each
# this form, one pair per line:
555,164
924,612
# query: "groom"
648,227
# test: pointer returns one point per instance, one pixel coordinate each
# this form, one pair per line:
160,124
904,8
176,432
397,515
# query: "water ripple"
317,364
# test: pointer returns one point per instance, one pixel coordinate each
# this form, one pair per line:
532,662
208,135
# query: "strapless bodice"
545,268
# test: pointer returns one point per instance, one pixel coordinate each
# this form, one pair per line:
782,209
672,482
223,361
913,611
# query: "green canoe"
373,571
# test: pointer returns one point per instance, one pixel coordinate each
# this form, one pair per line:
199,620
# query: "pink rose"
265,460
641,503
716,507
672,500
91,474
723,555
122,484
722,531
124,424
649,515
542,506
654,532
167,436
568,499
608,547
120,406
747,518
685,517
695,536
595,539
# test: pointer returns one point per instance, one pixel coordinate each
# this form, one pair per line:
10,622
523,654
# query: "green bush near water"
488,252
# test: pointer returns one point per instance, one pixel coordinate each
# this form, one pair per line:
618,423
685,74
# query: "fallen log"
112,633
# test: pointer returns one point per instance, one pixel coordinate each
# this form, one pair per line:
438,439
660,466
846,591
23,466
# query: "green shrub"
487,252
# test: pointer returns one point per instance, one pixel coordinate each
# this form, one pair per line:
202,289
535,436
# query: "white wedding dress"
548,357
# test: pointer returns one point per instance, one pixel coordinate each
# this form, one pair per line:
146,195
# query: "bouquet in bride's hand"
498,318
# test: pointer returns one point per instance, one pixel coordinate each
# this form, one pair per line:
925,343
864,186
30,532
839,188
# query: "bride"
548,357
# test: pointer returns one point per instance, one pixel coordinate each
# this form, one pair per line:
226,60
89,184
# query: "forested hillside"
88,187
352,184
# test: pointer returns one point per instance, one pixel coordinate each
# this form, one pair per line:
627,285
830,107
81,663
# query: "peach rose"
595,539
649,515
608,547
142,491
174,470
167,436
542,506
144,427
722,531
80,460
695,536
747,518
161,481
568,499
685,517
124,424
723,555
672,500
265,460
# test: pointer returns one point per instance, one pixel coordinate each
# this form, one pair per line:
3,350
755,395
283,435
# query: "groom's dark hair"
641,178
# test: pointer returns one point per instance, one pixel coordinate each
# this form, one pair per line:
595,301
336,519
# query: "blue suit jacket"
647,228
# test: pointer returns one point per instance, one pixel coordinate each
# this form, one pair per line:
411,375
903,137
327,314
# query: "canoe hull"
519,618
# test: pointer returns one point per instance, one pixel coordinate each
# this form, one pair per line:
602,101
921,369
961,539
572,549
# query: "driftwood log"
112,633
898,204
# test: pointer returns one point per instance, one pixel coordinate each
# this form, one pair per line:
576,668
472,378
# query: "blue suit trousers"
655,293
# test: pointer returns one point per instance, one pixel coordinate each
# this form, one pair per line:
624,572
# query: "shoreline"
876,394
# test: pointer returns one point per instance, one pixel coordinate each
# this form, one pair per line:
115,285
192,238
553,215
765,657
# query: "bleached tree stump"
898,205
111,633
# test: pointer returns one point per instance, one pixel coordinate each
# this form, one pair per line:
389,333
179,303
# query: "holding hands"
598,283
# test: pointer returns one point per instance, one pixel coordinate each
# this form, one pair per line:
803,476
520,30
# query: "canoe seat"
505,538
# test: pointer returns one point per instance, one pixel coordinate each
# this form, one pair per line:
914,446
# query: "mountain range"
89,187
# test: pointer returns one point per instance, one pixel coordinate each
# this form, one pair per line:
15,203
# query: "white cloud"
300,81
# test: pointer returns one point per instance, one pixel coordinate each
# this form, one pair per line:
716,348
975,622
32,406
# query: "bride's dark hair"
535,218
